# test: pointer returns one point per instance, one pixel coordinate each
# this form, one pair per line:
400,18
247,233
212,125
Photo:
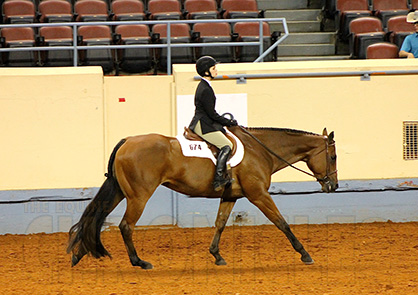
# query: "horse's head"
323,163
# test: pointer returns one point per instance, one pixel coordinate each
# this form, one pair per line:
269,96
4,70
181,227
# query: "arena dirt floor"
367,258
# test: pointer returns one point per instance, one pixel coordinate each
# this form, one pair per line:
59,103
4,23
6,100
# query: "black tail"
84,236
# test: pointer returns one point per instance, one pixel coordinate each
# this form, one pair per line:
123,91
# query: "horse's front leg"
225,208
266,204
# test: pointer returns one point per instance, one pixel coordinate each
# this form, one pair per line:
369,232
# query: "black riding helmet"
203,65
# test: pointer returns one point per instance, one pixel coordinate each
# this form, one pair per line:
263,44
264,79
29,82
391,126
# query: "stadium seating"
15,38
239,9
134,60
128,10
55,11
364,31
56,36
214,32
250,32
201,9
382,50
347,10
385,9
398,29
91,10
164,10
93,36
18,11
180,33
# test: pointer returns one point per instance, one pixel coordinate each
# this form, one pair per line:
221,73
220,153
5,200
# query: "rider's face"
213,71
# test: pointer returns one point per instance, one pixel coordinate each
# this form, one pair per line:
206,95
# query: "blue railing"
75,47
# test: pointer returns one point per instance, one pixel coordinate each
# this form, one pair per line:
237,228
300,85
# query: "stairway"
306,41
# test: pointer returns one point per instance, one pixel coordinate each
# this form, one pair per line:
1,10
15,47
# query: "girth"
190,135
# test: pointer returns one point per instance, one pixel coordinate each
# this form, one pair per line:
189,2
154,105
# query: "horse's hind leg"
266,204
134,209
224,211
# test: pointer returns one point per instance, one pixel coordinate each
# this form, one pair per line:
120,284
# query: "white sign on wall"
235,104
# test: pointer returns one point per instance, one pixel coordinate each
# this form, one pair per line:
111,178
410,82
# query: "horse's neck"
292,147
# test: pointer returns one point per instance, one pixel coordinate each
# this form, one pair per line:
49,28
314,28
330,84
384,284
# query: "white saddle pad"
199,149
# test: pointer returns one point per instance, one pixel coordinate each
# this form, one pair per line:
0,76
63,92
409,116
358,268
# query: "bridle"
326,179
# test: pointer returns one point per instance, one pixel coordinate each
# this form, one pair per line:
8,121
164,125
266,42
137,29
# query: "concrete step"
281,4
295,15
305,50
297,26
310,38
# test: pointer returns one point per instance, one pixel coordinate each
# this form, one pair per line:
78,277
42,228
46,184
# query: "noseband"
326,179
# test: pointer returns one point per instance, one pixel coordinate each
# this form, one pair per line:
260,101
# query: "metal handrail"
168,45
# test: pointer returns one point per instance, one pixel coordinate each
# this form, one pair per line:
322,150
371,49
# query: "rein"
324,179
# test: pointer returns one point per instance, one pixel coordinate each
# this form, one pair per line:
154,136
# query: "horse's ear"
325,132
331,137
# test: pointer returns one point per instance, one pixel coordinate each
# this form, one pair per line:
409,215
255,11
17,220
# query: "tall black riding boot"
220,181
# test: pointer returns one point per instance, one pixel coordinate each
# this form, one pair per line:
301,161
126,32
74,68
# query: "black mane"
286,130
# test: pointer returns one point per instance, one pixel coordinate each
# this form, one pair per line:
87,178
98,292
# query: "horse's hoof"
74,260
145,265
220,262
308,261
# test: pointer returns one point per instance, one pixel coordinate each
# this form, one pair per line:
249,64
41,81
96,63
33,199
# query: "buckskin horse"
139,164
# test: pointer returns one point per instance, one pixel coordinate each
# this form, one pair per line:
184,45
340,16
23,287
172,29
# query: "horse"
139,164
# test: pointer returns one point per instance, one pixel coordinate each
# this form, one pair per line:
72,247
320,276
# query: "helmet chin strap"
210,75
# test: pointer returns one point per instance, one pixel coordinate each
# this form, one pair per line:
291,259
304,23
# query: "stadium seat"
250,32
201,9
363,32
91,10
385,9
239,9
382,50
128,10
93,36
164,10
55,11
214,32
180,33
56,36
18,12
134,60
15,38
398,29
347,10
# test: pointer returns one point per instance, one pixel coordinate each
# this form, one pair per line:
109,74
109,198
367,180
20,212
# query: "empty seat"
382,50
164,9
250,32
385,9
55,11
364,31
57,36
180,33
201,9
128,10
398,29
91,10
18,11
214,32
134,60
239,9
15,38
93,36
347,10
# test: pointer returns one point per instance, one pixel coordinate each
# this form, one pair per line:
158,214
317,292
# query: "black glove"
232,122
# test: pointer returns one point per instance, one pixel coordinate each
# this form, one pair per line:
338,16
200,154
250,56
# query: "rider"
207,123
